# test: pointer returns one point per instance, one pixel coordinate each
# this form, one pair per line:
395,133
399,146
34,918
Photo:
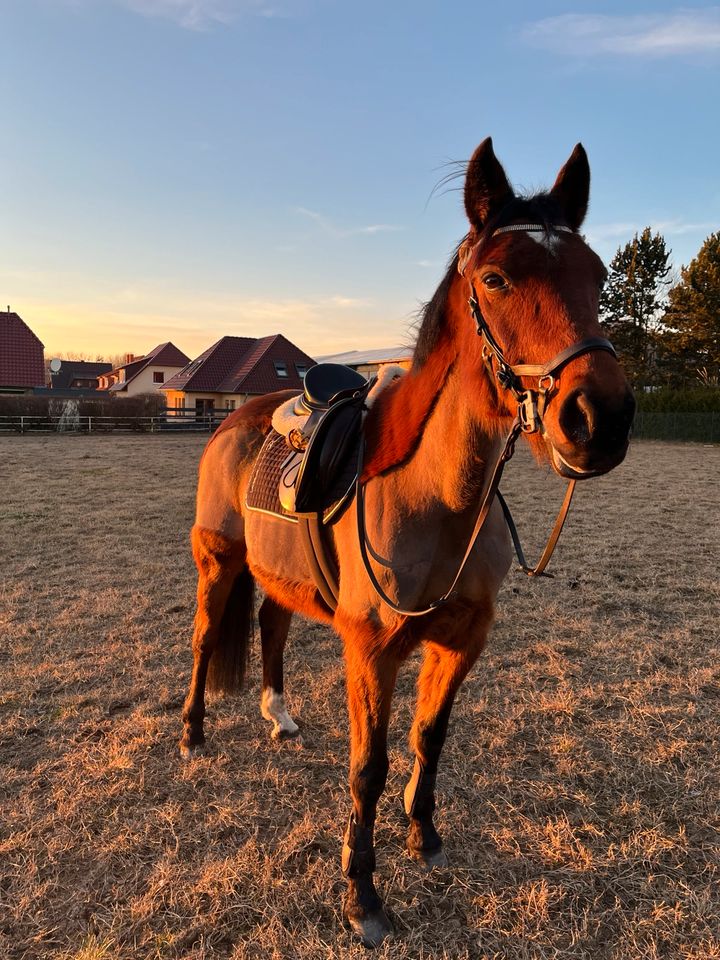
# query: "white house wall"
143,382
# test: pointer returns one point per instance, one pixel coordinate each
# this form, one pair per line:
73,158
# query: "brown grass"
578,792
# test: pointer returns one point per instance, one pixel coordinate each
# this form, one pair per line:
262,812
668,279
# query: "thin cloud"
327,226
348,303
677,32
604,232
136,318
203,14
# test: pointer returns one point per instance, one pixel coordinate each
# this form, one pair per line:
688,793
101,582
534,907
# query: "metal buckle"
551,383
528,413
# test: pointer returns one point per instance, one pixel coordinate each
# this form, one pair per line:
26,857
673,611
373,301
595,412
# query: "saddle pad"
262,491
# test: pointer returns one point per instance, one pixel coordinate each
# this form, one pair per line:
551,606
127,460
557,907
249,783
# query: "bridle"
531,406
531,402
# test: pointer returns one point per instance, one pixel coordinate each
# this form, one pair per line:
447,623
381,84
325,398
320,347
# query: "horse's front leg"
443,670
370,685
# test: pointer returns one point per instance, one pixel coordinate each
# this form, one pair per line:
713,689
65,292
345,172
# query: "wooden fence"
176,420
698,427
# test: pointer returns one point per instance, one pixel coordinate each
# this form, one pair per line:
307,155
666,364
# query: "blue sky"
184,169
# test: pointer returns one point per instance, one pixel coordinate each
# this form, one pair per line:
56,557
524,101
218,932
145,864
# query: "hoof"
293,737
429,859
372,929
190,751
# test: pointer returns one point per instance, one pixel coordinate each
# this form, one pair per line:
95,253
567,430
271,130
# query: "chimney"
129,357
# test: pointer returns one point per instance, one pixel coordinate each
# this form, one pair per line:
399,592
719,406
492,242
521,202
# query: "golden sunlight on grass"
578,792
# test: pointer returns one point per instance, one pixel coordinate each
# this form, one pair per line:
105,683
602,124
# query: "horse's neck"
456,452
434,435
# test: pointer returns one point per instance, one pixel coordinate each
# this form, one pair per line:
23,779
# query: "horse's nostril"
577,417
592,421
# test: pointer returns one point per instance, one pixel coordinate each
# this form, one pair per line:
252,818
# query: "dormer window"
281,368
301,369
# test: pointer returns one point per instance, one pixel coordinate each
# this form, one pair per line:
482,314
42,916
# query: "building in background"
22,360
77,374
236,368
368,362
146,374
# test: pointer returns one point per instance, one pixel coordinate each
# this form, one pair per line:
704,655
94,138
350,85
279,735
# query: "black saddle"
334,396
324,384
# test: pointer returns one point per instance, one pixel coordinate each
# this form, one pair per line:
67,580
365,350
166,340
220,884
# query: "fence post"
22,424
89,424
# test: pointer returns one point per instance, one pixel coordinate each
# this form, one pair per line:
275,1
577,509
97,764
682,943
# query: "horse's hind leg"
442,672
274,625
222,626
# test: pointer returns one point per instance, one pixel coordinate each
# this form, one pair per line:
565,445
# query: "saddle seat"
324,384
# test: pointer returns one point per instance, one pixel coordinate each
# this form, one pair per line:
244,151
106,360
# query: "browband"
530,228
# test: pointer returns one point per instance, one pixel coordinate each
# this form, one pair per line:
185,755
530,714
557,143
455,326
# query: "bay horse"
524,278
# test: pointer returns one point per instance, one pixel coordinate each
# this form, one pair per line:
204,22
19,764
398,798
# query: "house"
145,374
77,374
368,362
236,368
22,362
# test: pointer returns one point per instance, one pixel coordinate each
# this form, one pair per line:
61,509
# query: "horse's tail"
230,656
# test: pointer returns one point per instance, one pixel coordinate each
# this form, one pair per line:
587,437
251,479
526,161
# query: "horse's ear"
572,187
486,186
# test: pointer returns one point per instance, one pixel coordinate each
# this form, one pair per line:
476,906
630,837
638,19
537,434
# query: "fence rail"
177,420
698,427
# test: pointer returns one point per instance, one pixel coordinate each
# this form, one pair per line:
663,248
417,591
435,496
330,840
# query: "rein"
531,405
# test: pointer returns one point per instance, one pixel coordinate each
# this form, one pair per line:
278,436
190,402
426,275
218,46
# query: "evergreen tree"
691,344
631,303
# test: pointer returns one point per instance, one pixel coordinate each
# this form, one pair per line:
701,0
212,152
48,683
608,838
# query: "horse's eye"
493,281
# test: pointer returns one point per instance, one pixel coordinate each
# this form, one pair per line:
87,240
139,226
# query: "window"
301,369
229,404
281,368
204,407
158,376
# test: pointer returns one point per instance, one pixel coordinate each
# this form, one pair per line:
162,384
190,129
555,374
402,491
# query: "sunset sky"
184,169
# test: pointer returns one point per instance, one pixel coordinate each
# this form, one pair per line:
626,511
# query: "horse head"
533,286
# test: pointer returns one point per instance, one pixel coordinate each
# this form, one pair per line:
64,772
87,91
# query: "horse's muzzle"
593,433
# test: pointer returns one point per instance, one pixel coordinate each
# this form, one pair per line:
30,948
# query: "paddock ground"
579,790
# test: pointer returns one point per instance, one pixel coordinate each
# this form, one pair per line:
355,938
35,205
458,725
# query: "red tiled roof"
167,355
211,367
163,355
242,365
22,362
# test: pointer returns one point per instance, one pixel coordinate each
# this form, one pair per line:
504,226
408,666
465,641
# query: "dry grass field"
579,793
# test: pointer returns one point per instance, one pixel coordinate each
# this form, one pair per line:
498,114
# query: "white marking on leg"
272,707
